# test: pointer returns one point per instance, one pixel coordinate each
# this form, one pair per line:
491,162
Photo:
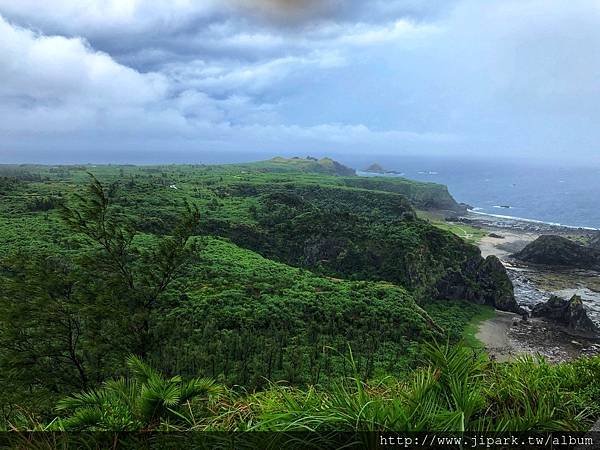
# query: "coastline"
505,222
506,336
540,223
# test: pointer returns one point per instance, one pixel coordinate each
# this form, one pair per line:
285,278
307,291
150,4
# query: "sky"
177,80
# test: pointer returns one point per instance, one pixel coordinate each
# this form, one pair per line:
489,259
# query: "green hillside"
248,274
246,319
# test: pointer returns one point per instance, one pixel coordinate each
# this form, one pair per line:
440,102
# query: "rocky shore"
508,335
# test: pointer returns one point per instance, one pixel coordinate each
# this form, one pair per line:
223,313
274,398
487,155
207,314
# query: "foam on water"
522,219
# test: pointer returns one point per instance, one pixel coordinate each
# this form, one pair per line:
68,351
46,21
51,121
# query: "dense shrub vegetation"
262,296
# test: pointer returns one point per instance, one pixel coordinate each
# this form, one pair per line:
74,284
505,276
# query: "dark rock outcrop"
553,250
482,281
375,168
569,313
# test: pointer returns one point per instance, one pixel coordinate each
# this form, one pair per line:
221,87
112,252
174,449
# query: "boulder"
569,313
558,251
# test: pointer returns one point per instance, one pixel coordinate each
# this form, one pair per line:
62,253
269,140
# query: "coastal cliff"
424,196
368,234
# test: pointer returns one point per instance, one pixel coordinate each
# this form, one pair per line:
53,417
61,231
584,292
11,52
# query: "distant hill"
361,234
422,195
309,165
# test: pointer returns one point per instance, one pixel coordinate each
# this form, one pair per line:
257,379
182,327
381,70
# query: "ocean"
551,193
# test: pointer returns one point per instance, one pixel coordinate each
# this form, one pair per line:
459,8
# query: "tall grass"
456,389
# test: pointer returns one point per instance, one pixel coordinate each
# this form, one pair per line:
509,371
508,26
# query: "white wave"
523,219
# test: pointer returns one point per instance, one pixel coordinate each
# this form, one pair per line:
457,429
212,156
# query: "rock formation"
569,313
375,168
482,281
553,250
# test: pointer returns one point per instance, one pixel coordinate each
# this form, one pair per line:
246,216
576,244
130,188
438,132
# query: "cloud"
498,76
249,79
54,69
90,17
61,88
128,28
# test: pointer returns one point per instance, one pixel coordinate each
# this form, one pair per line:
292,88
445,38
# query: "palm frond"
83,418
197,387
140,370
91,398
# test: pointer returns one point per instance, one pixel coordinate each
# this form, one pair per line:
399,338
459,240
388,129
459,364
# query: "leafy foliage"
286,268
246,319
145,401
457,390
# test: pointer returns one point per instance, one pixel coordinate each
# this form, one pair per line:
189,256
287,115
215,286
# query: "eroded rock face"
482,281
569,313
497,288
553,250
595,242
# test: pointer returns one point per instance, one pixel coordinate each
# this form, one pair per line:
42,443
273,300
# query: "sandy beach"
504,244
493,333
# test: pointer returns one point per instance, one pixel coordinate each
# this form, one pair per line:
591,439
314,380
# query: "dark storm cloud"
144,33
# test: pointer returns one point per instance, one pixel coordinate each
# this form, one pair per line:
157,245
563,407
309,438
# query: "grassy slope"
468,233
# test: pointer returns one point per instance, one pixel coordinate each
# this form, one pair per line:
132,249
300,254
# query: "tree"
42,336
67,319
139,273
